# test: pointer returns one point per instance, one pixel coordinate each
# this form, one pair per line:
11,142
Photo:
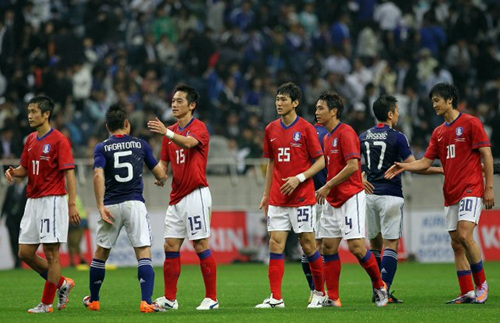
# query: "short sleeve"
403,146
165,149
351,147
268,149
65,156
200,133
149,159
479,137
99,158
432,150
24,156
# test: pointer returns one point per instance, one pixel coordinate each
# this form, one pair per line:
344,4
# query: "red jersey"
292,148
189,166
457,145
46,160
341,145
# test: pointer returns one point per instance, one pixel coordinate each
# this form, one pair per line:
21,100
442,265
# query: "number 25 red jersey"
293,148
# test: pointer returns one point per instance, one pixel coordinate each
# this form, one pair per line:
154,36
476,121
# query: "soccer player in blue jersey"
319,180
381,146
118,188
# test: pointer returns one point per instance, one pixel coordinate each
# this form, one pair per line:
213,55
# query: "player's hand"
106,215
369,188
9,175
489,198
74,215
290,185
395,170
161,182
322,193
264,204
157,126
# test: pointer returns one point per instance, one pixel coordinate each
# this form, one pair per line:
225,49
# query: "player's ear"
295,104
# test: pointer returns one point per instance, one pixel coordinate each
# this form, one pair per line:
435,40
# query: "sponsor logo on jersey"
46,148
459,131
297,136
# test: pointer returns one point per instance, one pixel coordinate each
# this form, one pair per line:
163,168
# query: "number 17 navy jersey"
381,147
122,158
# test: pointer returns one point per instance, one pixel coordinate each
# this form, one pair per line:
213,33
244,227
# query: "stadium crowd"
89,54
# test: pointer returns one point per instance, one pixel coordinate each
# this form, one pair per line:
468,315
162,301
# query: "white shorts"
384,214
468,209
319,212
45,220
190,218
300,219
129,214
347,221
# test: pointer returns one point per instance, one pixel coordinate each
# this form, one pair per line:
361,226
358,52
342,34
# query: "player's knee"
25,255
276,245
357,250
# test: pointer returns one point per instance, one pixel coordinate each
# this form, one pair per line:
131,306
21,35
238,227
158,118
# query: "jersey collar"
293,123
45,135
450,124
382,125
335,129
189,123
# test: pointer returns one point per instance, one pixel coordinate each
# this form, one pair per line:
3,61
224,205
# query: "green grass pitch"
423,287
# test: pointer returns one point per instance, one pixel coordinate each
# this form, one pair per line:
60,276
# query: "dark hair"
115,117
44,103
446,91
383,105
191,94
333,101
290,89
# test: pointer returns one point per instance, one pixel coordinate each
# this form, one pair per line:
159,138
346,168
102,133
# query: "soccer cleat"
208,304
332,302
64,291
482,293
271,302
166,303
310,297
151,308
466,298
393,299
381,297
317,300
93,306
41,308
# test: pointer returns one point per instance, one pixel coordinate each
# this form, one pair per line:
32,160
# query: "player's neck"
387,123
183,122
332,124
451,115
289,118
43,129
121,132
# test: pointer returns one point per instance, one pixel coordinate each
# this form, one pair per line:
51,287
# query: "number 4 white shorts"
347,221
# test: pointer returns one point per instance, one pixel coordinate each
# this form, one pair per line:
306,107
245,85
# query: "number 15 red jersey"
293,148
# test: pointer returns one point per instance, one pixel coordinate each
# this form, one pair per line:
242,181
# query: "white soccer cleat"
271,302
381,296
208,304
482,293
63,293
167,304
317,300
41,308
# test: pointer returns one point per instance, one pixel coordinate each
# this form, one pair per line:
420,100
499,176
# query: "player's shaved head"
446,91
291,90
383,105
115,117
333,101
44,103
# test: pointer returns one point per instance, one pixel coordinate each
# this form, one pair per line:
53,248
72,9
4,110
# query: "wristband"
169,134
301,177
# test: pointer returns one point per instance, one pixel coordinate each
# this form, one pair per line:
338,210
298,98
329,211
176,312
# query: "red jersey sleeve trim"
352,156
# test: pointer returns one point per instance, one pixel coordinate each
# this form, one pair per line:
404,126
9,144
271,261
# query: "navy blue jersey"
122,158
381,147
320,178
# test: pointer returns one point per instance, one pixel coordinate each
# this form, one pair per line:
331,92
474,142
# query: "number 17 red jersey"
293,148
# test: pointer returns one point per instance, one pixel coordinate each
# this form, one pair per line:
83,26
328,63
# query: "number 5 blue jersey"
381,147
122,158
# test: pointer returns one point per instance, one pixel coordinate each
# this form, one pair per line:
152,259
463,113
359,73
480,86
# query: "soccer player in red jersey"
291,143
460,143
185,147
344,215
46,160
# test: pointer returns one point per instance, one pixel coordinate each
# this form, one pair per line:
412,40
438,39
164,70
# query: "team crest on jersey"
459,131
297,136
46,148
335,142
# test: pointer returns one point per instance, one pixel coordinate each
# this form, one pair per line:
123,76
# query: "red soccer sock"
209,272
370,265
478,273
61,281
465,281
316,263
49,293
333,267
171,273
276,273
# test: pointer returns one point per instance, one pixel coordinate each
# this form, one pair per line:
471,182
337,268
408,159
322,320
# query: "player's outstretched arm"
99,189
489,194
185,142
291,183
160,173
398,168
432,170
74,215
12,172
264,203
